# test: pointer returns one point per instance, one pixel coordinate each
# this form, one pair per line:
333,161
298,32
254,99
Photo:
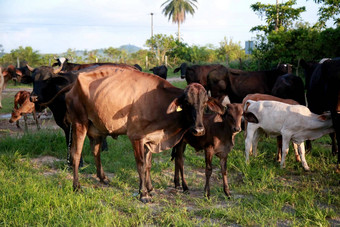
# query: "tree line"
283,38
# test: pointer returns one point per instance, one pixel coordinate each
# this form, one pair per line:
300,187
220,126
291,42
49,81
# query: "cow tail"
62,91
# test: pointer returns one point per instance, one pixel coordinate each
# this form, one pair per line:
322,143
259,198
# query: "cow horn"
29,68
57,70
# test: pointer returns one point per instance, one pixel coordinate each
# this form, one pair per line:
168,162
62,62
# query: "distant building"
249,47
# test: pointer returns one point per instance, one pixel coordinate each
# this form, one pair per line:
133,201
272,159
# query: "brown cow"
258,97
218,140
6,74
22,107
114,100
199,73
237,84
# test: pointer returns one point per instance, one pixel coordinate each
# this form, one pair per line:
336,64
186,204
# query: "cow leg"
308,146
17,124
302,155
178,151
25,119
223,164
209,152
248,143
279,148
285,149
96,148
334,145
35,117
138,148
78,134
148,159
296,150
255,142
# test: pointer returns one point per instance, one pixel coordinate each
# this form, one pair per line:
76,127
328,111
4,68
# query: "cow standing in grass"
293,122
155,115
218,140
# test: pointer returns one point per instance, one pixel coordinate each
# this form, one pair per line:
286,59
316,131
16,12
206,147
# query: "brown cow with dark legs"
22,107
218,140
258,97
155,115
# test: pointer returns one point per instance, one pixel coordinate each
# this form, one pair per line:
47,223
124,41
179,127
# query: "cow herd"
106,99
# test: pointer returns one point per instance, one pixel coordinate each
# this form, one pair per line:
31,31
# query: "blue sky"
53,26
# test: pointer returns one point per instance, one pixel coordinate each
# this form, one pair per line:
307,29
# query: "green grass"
263,194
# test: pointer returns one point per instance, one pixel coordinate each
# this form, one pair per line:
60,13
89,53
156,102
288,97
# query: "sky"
53,26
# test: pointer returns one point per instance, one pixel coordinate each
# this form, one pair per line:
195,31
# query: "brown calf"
22,107
218,140
258,97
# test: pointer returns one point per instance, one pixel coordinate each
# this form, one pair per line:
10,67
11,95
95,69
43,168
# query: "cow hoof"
187,192
307,169
105,181
145,199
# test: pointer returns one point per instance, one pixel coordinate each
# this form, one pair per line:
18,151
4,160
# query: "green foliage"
160,45
329,10
285,13
25,55
290,46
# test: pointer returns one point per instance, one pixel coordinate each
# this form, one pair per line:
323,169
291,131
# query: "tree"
276,16
177,9
329,10
161,45
25,55
233,50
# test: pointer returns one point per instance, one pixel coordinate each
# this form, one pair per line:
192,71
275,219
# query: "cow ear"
215,106
250,117
325,116
17,71
174,106
177,69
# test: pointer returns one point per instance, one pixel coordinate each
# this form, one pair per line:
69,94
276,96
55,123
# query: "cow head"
11,73
192,104
41,77
15,116
233,116
183,69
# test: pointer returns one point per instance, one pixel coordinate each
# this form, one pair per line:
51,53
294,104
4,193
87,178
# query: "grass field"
36,186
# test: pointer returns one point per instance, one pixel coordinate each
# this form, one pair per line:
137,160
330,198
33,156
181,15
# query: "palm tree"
176,9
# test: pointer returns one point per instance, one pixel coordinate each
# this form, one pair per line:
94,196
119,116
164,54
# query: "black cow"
161,71
289,86
47,82
323,92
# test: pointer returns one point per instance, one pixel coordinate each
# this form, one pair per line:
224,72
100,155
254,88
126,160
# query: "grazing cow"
258,97
113,100
198,73
161,71
293,122
22,107
317,86
218,140
237,83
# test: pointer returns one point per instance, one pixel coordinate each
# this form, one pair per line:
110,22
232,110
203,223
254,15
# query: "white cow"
293,122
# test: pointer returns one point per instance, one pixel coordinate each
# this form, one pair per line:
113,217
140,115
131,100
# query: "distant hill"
128,48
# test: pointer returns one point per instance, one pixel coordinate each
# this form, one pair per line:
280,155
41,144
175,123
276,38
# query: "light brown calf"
259,97
22,107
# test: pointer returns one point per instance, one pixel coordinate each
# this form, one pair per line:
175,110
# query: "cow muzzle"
198,131
182,76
